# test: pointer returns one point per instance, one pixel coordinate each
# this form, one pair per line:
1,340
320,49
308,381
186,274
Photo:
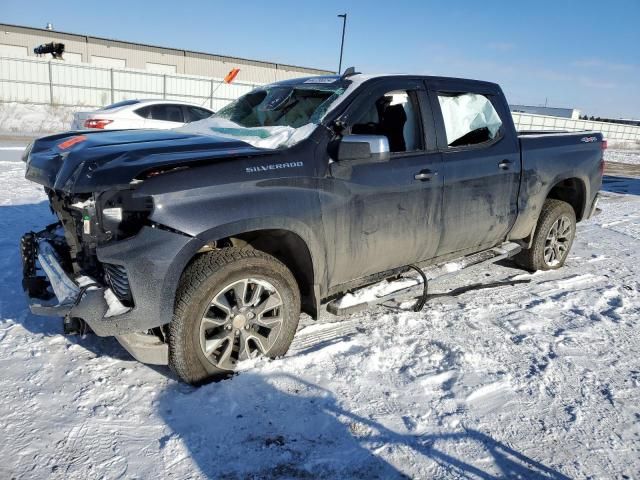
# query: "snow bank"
623,156
35,120
624,144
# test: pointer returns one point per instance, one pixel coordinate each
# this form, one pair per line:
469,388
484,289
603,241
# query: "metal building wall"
31,38
137,56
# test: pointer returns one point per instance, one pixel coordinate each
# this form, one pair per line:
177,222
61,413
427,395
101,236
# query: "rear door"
480,164
385,214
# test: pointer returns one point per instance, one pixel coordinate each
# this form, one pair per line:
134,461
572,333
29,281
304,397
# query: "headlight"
122,214
112,215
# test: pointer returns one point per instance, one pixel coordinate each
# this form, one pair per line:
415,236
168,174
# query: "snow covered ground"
510,375
629,155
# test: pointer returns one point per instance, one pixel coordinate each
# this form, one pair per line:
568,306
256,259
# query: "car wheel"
552,239
232,304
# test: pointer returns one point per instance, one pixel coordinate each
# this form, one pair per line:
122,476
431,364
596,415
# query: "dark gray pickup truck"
199,247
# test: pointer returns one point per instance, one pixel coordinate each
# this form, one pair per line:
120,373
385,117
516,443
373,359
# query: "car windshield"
273,116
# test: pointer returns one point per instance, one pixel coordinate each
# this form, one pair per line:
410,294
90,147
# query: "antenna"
344,27
349,72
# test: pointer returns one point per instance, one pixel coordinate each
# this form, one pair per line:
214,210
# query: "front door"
380,215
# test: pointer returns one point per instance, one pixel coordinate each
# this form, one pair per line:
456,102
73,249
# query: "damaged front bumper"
53,290
57,293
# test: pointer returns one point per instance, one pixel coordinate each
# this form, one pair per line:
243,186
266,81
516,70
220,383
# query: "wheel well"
291,250
572,191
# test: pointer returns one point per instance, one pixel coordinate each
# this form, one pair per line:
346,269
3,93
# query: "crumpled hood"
92,161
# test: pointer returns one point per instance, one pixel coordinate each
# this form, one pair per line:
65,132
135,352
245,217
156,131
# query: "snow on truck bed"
525,375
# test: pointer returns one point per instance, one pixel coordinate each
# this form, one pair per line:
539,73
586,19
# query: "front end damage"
105,263
80,269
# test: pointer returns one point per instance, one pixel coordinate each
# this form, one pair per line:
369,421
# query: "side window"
396,116
168,113
193,114
144,112
469,119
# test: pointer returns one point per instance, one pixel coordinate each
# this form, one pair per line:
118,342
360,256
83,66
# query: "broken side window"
469,118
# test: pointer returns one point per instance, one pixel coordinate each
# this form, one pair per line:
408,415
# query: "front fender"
212,212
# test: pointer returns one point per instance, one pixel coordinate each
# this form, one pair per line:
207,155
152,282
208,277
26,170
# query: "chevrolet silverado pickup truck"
199,247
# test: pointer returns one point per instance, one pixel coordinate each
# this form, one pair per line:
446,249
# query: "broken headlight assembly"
121,214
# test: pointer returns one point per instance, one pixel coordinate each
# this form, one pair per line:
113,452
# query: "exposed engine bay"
87,221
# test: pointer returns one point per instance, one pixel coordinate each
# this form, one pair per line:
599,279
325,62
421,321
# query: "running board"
436,272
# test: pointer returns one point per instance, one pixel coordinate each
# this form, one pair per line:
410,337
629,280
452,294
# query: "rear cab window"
470,119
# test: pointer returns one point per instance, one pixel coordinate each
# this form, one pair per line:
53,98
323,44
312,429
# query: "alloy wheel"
242,320
558,241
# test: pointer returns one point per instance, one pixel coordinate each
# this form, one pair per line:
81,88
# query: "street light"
344,26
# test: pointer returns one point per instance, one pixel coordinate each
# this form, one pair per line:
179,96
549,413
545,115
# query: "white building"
571,113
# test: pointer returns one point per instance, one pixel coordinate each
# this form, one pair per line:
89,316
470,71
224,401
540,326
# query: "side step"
366,297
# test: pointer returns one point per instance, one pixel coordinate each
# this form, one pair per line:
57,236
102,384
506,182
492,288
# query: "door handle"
505,164
424,175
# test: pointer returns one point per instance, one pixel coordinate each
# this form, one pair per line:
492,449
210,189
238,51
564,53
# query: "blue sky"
583,54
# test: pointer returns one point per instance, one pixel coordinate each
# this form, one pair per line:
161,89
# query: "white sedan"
159,114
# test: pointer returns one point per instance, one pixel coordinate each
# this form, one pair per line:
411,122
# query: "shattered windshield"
273,116
281,105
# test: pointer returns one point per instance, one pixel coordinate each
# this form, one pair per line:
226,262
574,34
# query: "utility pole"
344,26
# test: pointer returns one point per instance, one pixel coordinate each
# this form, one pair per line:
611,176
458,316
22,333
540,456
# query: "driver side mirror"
363,147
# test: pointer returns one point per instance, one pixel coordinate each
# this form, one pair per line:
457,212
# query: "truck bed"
550,157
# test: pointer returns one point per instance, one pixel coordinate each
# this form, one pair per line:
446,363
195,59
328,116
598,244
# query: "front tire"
231,304
553,238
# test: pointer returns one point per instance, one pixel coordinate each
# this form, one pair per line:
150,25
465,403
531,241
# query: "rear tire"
231,304
552,239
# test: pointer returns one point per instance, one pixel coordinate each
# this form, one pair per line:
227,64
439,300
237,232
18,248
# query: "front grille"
117,279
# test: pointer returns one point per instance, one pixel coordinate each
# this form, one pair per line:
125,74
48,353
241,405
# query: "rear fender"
533,196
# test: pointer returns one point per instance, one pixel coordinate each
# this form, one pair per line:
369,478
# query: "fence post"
164,86
50,85
112,99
